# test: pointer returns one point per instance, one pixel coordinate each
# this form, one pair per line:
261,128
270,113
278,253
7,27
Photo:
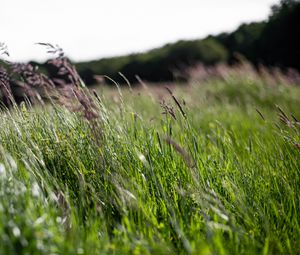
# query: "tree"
280,40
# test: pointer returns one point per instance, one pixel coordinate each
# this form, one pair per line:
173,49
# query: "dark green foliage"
243,41
280,40
158,64
274,42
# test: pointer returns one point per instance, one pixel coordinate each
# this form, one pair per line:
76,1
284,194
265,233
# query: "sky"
92,29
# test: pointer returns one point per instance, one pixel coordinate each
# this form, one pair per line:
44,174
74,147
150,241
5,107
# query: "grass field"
211,170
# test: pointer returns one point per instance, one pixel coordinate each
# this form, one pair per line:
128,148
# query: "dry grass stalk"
3,49
167,109
181,151
35,85
144,85
260,114
293,124
5,88
176,102
87,105
285,119
31,76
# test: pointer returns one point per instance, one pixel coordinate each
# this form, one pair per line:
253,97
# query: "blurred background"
156,40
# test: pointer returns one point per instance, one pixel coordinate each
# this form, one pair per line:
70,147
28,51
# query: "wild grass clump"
107,173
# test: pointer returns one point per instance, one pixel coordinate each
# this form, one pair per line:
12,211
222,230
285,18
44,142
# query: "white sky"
92,29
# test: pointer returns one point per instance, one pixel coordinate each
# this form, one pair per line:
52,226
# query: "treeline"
158,64
274,42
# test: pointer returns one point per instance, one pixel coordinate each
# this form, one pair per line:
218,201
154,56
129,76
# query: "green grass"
220,181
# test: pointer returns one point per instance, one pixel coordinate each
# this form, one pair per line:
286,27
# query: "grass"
222,180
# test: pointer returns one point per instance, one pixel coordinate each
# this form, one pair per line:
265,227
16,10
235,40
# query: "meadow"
207,167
